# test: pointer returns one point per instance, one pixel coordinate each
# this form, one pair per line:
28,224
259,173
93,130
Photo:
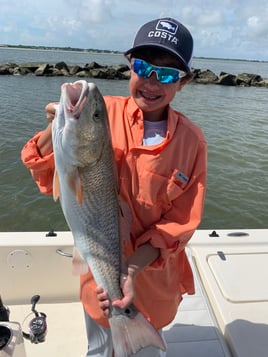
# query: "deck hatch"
241,277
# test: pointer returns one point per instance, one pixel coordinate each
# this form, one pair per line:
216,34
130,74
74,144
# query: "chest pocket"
157,189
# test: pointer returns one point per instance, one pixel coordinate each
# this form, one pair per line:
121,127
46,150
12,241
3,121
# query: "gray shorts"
100,342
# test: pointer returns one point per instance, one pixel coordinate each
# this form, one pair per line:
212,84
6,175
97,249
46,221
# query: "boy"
161,160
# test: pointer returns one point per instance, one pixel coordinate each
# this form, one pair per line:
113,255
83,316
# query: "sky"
235,29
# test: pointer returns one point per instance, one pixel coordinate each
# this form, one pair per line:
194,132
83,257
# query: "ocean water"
234,120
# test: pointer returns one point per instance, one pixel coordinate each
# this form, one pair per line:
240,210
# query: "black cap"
169,35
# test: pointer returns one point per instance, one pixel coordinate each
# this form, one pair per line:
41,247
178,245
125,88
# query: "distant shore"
59,49
93,50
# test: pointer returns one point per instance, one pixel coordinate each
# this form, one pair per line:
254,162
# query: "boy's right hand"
51,110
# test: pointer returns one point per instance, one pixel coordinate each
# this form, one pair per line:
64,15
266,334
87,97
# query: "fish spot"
127,311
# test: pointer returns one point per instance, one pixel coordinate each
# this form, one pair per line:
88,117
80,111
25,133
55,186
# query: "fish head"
80,128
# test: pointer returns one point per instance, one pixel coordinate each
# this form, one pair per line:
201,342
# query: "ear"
184,80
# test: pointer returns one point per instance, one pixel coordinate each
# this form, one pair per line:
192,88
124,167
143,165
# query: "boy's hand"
142,257
104,300
51,110
127,286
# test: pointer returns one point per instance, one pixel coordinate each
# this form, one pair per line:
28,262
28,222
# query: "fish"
85,182
168,26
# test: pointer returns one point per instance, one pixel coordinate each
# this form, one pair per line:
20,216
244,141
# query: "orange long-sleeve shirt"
164,188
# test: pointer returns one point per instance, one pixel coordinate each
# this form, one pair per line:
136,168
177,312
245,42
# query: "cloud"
221,28
257,27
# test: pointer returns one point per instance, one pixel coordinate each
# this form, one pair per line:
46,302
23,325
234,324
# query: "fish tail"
132,334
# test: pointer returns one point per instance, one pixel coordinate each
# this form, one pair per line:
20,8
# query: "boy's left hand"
127,286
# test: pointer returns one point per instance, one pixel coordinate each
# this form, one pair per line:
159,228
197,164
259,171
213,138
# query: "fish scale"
99,219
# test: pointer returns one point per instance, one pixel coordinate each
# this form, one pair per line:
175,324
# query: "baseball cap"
169,35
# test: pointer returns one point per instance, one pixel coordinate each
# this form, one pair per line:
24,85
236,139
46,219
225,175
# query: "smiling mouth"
149,96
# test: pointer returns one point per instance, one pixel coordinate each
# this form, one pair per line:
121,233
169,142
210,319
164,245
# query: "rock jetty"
121,71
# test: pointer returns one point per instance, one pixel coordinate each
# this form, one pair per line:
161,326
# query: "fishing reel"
37,326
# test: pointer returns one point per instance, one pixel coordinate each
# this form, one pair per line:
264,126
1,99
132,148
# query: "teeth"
149,96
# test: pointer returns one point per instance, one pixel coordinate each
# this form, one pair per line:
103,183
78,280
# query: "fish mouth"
76,94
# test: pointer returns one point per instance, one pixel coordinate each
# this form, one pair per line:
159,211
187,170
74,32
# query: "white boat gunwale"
208,323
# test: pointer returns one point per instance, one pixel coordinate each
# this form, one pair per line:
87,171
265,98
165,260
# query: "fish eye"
96,115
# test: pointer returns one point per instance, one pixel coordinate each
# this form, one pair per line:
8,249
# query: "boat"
227,316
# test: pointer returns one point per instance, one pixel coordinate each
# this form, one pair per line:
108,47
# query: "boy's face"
149,94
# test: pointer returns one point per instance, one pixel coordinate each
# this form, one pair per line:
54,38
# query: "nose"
152,77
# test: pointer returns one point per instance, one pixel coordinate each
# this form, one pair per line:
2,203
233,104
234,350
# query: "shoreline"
59,49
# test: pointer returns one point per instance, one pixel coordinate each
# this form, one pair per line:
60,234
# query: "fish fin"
132,334
75,185
79,267
56,186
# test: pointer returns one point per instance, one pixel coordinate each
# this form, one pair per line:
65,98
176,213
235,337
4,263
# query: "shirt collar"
135,114
133,111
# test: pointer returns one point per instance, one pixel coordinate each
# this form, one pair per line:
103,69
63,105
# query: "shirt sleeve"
41,168
175,228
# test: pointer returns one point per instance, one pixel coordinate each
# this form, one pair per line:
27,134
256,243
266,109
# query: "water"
8,55
234,120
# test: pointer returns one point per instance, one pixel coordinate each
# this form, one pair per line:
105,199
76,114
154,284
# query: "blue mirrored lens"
163,74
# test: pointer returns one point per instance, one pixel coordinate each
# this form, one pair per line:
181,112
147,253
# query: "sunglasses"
163,74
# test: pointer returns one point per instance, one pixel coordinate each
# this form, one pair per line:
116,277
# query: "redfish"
86,183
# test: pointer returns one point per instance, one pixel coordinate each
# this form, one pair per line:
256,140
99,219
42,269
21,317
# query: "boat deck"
193,332
228,315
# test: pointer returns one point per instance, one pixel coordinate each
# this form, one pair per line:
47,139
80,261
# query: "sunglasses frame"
146,69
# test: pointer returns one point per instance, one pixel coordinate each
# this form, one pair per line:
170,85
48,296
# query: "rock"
195,72
21,71
125,74
92,65
6,69
122,71
73,70
263,83
42,69
205,77
56,72
246,79
82,73
102,73
62,65
111,72
63,68
32,67
121,68
227,79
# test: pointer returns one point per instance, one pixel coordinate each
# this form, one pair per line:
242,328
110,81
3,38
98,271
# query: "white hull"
228,315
